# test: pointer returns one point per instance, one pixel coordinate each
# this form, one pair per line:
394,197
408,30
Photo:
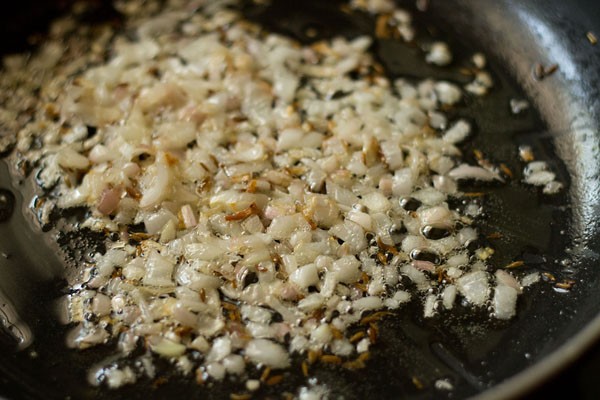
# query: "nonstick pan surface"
559,235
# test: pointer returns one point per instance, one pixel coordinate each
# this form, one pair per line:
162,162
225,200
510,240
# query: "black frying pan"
479,357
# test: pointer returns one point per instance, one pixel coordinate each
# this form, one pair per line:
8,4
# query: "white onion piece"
216,371
322,334
311,302
458,132
530,279
271,354
346,269
447,93
439,54
305,276
449,296
109,201
506,279
429,308
69,158
221,347
188,216
156,183
423,265
155,222
167,348
540,178
505,302
159,271
367,303
475,287
465,171
439,215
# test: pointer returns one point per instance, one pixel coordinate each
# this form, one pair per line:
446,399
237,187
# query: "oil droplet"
7,204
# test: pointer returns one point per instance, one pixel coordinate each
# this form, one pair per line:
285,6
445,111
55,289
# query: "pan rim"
544,368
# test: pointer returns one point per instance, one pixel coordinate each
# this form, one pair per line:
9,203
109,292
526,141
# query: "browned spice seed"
239,118
382,30
387,248
304,368
265,374
382,258
313,224
296,171
240,396
229,306
251,188
139,236
417,382
331,359
515,264
204,185
538,71
199,377
526,155
359,363
203,295
551,69
336,333
365,278
474,194
183,331
357,336
311,32
321,47
506,170
478,154
262,268
374,317
117,274
465,71
353,365
52,111
495,235
330,125
274,380
567,284
549,276
245,178
373,332
313,356
318,314
441,275
591,38
161,380
361,287
243,214
234,316
364,356
171,159
345,8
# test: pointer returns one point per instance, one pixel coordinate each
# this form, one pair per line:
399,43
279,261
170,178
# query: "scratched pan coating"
467,349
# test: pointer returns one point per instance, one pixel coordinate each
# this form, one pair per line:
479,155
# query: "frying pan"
558,235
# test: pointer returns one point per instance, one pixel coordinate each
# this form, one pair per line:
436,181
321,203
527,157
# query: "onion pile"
286,191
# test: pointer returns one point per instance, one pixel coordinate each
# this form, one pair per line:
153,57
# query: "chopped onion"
263,351
256,189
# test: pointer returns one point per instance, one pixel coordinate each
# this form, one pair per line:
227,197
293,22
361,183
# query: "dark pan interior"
472,353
